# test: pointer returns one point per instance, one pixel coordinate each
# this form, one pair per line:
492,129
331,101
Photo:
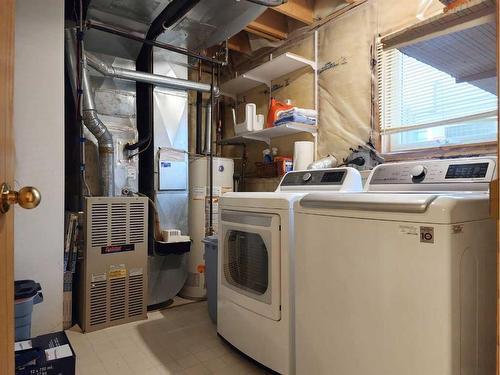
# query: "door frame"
495,191
7,30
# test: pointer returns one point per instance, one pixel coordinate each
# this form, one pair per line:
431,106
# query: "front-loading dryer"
256,255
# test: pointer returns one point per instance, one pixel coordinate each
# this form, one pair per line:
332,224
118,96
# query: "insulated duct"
153,79
90,118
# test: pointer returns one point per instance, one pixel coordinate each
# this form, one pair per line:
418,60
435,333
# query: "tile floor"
177,340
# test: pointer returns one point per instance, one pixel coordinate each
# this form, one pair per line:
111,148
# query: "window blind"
413,95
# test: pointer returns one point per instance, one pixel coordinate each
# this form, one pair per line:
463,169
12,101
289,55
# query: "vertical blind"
416,96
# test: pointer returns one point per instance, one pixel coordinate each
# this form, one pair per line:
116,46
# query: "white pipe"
154,79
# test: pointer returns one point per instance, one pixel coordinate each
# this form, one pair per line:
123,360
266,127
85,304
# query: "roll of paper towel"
303,155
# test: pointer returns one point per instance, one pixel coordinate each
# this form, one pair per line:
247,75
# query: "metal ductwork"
198,25
90,117
153,79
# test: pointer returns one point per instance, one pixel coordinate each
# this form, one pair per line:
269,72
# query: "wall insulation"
345,78
345,106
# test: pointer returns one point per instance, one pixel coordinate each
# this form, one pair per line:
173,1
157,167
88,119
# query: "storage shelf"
266,73
276,131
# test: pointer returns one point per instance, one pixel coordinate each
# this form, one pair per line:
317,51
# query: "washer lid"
433,207
410,203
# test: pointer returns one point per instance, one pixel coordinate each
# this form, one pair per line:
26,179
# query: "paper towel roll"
303,155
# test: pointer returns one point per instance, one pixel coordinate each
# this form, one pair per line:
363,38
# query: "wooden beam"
300,10
240,43
270,25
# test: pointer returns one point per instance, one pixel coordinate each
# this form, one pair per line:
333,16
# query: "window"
422,107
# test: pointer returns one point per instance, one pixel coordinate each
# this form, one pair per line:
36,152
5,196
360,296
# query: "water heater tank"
199,215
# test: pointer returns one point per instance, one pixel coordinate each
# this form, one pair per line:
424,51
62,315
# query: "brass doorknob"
27,197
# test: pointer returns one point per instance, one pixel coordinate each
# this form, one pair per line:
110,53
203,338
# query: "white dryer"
255,282
402,278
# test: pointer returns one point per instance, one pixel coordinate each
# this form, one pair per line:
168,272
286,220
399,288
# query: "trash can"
27,293
211,266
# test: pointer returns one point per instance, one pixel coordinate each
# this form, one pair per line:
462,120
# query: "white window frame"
385,101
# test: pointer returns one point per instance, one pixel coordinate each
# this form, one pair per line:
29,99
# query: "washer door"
249,261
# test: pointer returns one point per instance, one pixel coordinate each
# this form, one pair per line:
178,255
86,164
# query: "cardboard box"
52,353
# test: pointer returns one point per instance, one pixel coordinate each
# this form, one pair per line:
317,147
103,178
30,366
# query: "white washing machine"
402,278
255,306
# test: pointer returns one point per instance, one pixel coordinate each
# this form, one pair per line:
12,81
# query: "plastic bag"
276,106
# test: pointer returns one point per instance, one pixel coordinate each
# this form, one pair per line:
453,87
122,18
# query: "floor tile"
175,341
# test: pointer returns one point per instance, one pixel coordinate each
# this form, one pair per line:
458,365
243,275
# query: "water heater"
199,215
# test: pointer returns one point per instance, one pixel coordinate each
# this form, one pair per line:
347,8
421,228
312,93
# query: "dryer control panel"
322,179
448,174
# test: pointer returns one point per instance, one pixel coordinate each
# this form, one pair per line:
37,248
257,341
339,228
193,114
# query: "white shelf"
266,73
276,131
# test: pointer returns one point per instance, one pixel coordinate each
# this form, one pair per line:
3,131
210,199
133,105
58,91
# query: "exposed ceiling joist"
270,24
240,43
300,10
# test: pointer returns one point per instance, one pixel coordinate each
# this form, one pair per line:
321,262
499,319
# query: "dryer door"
249,261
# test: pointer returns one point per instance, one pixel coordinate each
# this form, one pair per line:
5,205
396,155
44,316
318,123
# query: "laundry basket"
211,267
27,293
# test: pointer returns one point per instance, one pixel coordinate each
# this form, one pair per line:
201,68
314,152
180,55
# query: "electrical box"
172,170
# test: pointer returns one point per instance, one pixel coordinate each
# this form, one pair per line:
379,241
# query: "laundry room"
249,187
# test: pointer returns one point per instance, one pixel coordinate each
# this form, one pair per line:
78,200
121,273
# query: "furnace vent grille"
98,303
117,302
135,295
136,223
99,224
118,224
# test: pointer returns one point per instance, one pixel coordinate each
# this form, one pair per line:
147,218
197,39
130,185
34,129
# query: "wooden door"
7,25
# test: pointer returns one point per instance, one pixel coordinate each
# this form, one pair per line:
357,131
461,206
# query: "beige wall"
39,143
345,91
345,102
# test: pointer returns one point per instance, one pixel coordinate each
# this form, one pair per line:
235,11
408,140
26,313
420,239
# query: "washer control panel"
466,170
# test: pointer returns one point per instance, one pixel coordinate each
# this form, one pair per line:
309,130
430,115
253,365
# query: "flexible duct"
91,119
153,79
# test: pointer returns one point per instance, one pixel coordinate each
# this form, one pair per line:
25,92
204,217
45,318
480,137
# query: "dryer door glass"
247,265
249,261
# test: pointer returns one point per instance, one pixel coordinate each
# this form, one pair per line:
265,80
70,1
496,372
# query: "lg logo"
427,234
